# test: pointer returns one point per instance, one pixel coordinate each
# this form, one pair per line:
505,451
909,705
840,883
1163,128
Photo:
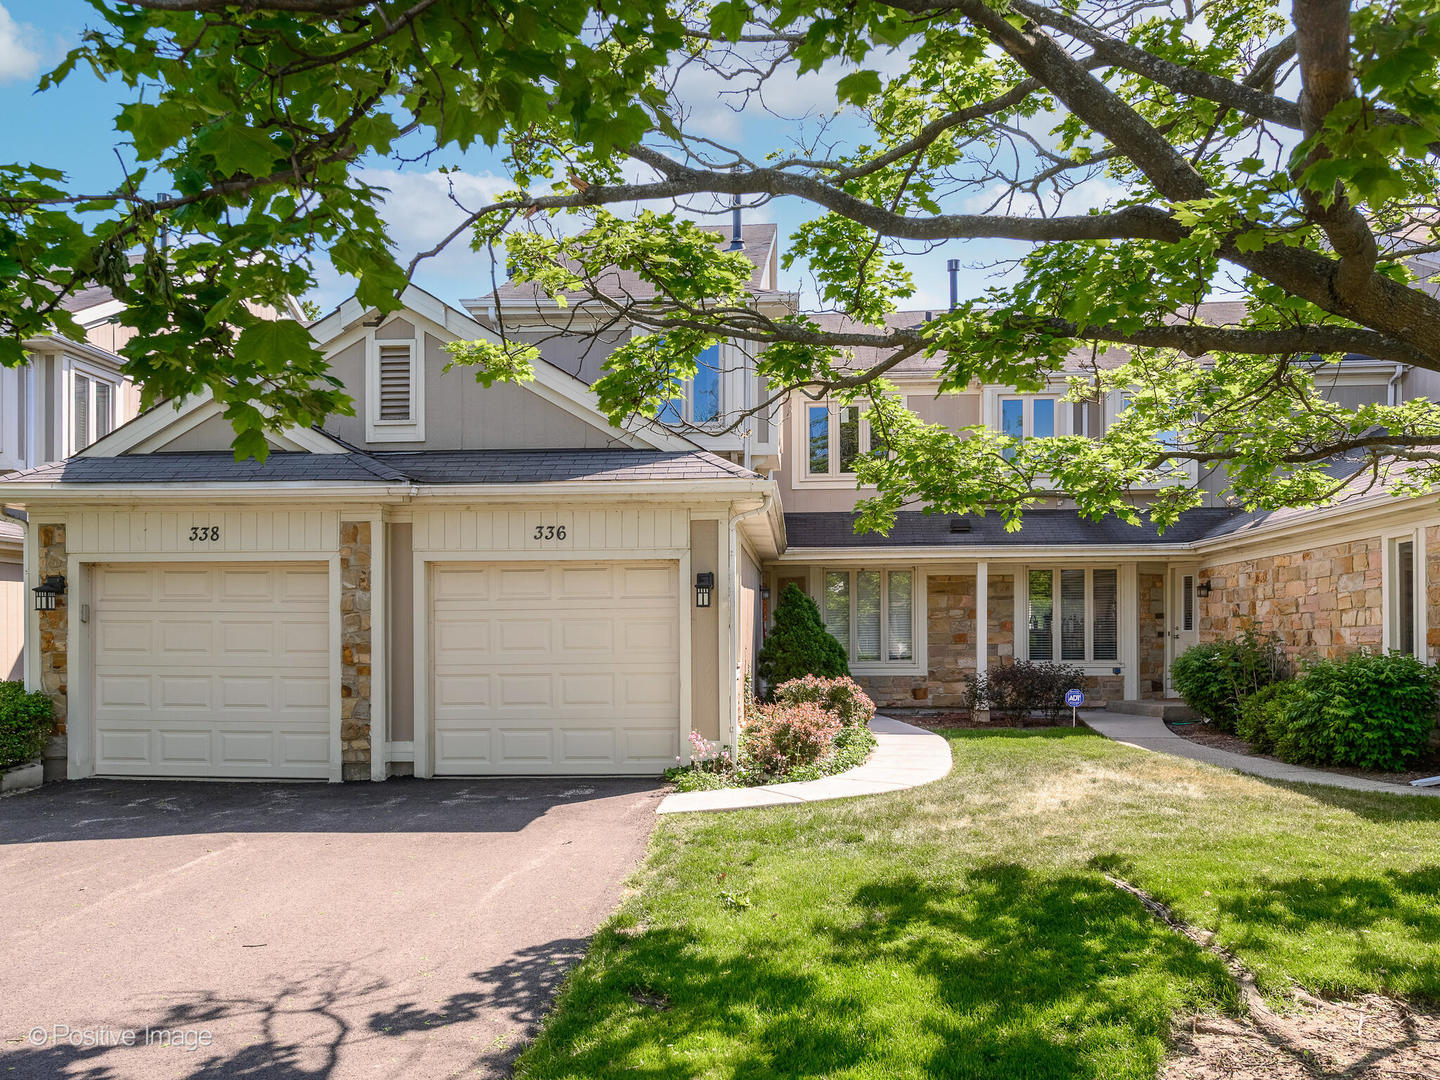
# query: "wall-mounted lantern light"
1202,590
704,582
48,592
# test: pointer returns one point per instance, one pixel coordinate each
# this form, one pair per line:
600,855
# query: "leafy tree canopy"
1285,156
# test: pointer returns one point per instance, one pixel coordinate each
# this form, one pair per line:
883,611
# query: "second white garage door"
555,668
211,670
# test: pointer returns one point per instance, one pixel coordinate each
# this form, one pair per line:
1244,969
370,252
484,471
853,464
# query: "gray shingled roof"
548,466
758,239
915,529
428,467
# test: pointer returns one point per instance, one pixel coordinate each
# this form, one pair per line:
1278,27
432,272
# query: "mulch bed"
1206,735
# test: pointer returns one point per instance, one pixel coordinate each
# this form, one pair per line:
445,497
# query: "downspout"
733,631
1392,389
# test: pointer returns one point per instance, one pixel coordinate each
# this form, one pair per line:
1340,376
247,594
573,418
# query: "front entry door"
1181,620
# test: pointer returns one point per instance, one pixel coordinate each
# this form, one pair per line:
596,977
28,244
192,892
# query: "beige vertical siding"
705,697
156,531
400,610
12,620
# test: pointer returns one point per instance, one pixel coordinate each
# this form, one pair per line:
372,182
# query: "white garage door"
207,670
555,668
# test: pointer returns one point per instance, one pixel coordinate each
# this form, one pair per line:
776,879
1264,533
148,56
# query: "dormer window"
396,382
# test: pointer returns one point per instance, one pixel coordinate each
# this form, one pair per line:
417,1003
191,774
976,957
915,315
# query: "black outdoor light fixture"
48,591
1202,590
704,582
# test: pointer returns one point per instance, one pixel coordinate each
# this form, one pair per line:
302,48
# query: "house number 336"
204,532
549,532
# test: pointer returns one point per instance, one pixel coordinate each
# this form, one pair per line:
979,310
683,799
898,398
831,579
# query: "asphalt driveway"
411,929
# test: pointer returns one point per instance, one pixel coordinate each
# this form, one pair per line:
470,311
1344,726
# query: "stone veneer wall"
1321,602
1432,593
54,625
355,546
1151,634
950,641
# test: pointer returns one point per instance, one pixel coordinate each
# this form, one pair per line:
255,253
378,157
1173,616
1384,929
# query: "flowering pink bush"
781,737
841,696
708,755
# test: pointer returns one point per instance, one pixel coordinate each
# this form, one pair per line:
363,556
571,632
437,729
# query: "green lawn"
966,929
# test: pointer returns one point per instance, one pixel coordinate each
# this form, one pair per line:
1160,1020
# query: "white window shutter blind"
104,409
397,398
80,415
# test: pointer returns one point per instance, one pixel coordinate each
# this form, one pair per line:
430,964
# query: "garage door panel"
212,670
555,667
185,638
186,586
114,637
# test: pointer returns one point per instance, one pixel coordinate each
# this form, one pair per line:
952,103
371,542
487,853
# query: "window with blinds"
396,382
1080,608
104,409
80,414
872,614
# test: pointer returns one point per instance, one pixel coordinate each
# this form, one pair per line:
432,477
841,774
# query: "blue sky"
72,128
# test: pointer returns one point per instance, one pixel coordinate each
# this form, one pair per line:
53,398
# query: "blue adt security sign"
1074,698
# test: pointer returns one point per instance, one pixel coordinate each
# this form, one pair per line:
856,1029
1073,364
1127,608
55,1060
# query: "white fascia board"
1012,553
690,491
82,349
94,316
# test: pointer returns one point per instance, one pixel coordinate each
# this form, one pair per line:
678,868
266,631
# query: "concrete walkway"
1150,733
906,757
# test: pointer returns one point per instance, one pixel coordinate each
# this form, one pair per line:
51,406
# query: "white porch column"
982,616
1132,622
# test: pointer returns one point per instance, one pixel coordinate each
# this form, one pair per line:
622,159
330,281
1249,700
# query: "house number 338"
204,532
549,532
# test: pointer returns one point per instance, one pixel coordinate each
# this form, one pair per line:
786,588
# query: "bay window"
1072,615
872,614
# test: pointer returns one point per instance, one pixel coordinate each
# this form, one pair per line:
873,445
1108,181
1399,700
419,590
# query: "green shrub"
1215,676
841,696
1365,712
798,644
779,738
1014,691
1262,714
24,724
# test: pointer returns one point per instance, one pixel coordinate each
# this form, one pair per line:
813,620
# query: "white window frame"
1123,627
802,443
413,429
918,662
687,396
1389,594
1027,414
78,369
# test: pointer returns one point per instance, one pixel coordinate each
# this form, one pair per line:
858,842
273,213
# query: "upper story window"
1027,418
838,436
92,409
701,404
395,410
872,614
1072,615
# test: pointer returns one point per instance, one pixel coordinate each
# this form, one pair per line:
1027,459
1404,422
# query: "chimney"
737,238
164,196
953,266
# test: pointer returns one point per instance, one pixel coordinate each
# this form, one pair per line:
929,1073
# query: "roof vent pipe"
737,239
953,267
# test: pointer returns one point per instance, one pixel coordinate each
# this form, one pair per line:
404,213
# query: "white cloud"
19,59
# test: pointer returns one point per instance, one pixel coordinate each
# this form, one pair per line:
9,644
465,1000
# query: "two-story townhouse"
68,394
462,580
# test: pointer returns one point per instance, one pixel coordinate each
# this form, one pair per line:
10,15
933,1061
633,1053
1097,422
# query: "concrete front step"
1161,708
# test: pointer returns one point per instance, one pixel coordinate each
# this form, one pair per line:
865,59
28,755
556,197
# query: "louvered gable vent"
396,384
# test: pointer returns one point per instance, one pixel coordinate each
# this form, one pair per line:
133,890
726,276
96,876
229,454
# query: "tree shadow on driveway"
333,1023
